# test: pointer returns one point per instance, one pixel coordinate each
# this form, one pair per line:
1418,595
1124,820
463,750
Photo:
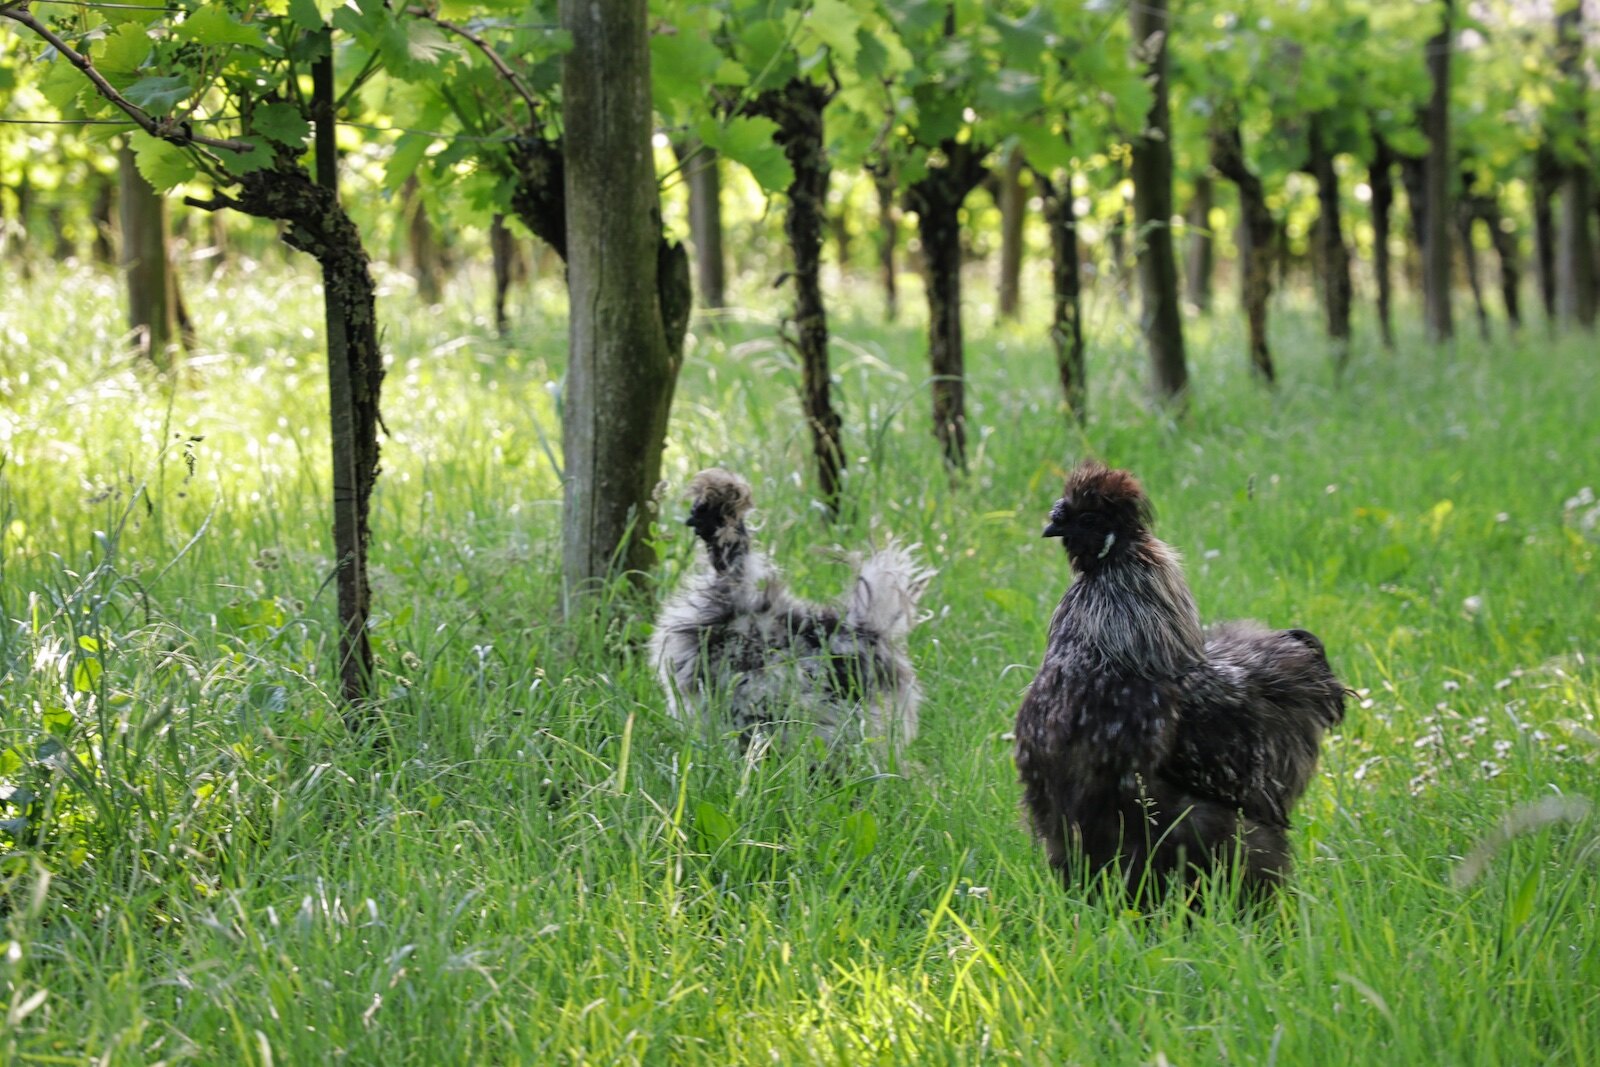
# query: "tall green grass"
526,861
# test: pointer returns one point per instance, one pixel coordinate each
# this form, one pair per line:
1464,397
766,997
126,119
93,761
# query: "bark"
1413,175
1257,233
1487,208
702,169
318,225
1200,255
509,267
19,232
888,238
797,109
1469,258
217,236
101,245
1333,255
1575,266
146,263
422,245
1066,318
1013,202
937,198
538,193
839,227
1574,253
1436,172
1380,178
1152,206
1546,177
629,293
63,247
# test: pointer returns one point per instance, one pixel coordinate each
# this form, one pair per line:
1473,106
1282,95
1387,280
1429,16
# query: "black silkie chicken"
1147,745
734,648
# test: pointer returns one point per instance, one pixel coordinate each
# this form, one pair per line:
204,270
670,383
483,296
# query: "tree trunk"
217,238
102,246
18,232
1546,177
1413,175
422,245
1574,252
1152,207
839,227
1436,172
797,109
1013,203
317,225
509,267
1332,253
1200,260
1487,208
888,238
1066,320
1575,265
629,294
146,264
355,381
1469,258
1380,178
702,169
1257,232
937,198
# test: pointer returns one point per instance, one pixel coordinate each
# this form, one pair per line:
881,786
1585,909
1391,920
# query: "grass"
527,862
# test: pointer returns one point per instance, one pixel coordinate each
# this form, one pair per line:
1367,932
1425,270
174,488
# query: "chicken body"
1146,742
734,648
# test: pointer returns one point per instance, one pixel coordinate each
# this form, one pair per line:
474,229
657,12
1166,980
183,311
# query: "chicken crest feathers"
1092,486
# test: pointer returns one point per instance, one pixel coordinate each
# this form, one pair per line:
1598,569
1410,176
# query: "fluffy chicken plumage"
1147,742
735,648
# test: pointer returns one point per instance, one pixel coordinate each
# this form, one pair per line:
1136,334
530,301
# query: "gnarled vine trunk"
1066,318
1546,177
937,197
702,173
1200,257
797,109
509,267
1333,254
1380,179
1257,233
1013,203
888,238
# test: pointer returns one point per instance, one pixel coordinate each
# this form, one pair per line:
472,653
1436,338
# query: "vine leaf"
282,123
212,25
748,140
158,95
163,165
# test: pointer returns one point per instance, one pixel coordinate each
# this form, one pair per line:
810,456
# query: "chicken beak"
1055,529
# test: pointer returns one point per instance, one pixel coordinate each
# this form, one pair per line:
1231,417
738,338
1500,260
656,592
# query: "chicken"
1146,745
734,648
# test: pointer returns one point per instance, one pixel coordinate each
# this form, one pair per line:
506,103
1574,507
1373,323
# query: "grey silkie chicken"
1146,744
736,650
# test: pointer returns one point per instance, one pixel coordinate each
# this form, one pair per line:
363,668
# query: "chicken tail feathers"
1288,670
888,585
